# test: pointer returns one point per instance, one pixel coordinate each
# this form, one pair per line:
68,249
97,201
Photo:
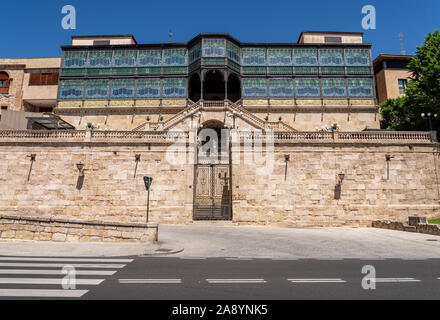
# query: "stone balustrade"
164,137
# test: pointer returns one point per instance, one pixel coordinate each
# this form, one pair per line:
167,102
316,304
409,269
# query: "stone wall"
426,228
300,192
73,230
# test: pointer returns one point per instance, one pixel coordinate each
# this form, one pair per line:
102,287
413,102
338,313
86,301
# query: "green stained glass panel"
148,88
124,58
214,47
280,57
306,57
254,88
71,89
74,59
73,72
307,88
174,57
150,58
99,59
254,57
357,57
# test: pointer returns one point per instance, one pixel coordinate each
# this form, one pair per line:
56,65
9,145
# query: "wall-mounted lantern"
137,158
32,157
80,167
338,187
286,159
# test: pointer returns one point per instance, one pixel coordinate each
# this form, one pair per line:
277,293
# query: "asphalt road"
183,278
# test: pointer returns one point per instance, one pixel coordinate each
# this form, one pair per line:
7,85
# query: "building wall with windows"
391,75
29,84
318,76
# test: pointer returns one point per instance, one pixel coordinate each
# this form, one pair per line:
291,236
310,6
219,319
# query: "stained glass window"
71,89
281,87
331,57
124,58
254,57
232,52
150,58
174,88
357,57
360,87
174,57
306,57
100,59
254,88
195,53
148,88
307,88
333,88
280,57
97,89
214,47
122,89
75,59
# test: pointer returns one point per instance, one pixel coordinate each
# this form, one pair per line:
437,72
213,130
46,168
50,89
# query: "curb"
162,252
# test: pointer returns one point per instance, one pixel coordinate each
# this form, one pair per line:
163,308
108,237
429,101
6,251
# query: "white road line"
149,281
57,281
61,265
58,272
391,280
334,280
239,259
65,259
236,281
42,293
192,258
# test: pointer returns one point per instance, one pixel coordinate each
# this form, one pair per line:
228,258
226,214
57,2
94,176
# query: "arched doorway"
195,87
214,85
233,88
212,174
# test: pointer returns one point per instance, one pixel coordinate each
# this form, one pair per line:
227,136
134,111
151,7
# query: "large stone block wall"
301,194
71,230
109,190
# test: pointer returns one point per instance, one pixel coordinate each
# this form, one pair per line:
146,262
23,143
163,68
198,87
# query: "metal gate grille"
213,197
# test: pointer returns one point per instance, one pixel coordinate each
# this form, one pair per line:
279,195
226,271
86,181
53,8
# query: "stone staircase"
226,105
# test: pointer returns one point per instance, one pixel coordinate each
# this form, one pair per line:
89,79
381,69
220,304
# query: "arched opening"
194,89
234,88
210,137
4,82
214,86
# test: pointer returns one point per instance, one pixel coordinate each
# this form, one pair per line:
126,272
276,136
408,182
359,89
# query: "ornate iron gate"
213,192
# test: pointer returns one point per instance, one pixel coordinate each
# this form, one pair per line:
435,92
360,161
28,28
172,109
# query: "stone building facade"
228,131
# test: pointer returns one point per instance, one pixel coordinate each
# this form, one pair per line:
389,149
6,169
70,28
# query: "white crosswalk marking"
57,272
61,265
65,259
333,280
58,281
140,281
39,293
391,280
242,281
33,270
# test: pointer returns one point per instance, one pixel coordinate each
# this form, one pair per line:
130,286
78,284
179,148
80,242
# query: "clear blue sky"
33,28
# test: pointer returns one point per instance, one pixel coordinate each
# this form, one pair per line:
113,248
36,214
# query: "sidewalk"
84,249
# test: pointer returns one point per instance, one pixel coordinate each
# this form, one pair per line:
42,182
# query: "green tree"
422,94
